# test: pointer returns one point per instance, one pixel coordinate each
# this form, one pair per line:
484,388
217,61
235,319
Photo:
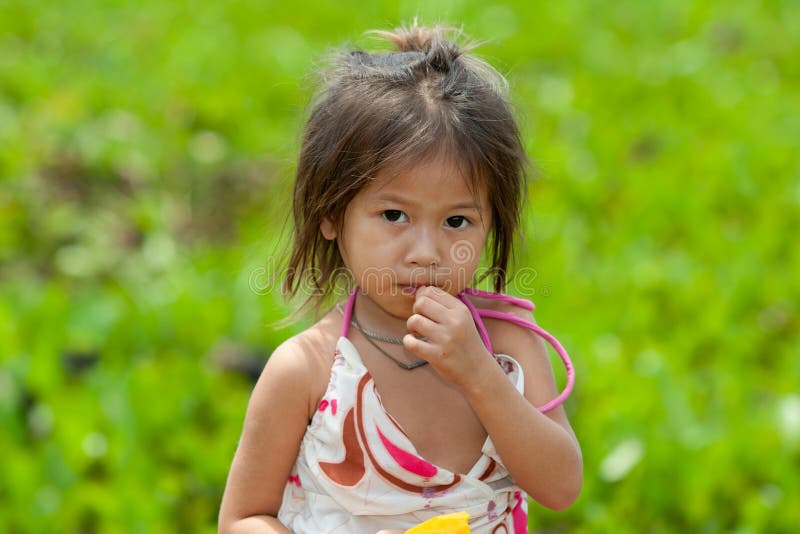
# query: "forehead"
435,181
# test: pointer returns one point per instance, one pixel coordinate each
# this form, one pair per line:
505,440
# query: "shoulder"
301,365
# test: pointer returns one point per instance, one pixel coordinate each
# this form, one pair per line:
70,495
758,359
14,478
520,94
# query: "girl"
392,408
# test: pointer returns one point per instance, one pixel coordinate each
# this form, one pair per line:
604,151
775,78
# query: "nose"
423,249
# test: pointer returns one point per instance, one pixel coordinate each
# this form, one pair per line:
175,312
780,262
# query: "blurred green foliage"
146,156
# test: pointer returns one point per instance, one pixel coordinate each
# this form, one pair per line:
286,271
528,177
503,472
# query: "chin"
391,301
403,309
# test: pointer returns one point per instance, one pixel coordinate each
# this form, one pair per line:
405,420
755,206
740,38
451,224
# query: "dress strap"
528,305
522,303
348,312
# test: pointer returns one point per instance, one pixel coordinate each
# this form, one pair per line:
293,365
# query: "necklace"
369,333
403,365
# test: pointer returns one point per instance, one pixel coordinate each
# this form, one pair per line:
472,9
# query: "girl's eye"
393,215
458,221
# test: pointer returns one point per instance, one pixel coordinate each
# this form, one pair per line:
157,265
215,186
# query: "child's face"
420,227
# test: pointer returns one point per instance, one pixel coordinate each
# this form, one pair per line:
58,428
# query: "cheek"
464,254
344,255
464,259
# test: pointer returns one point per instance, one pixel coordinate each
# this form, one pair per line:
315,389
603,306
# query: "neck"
372,317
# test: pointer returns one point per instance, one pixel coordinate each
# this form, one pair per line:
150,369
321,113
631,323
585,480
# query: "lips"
408,290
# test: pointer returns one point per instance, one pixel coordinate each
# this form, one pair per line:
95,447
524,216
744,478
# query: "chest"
433,413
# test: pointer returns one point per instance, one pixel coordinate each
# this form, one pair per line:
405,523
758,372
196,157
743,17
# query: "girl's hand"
453,346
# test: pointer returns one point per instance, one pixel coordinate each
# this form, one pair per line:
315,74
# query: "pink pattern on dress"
519,516
406,460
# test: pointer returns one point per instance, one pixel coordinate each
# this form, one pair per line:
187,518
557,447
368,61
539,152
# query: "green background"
146,157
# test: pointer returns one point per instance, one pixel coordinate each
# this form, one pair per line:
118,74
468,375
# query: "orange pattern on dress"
351,470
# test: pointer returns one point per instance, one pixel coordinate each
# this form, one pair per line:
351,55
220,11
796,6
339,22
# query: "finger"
420,348
430,308
422,325
438,295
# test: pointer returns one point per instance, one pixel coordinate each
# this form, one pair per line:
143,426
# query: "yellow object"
443,524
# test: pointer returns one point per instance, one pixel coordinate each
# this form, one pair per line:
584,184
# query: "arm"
276,420
539,450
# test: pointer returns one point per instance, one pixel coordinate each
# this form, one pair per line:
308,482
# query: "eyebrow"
390,197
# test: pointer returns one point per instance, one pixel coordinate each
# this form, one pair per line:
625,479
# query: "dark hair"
385,111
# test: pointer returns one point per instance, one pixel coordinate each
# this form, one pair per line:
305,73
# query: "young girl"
392,408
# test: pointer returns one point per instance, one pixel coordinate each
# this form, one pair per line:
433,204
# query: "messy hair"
385,111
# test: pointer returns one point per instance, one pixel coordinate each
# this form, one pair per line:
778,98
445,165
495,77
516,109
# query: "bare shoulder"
303,362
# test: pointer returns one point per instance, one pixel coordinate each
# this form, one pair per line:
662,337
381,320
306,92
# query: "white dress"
357,472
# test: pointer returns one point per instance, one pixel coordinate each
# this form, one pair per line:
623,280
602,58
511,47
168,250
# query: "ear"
327,228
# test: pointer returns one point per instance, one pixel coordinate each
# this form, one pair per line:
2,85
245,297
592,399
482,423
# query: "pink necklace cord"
505,316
